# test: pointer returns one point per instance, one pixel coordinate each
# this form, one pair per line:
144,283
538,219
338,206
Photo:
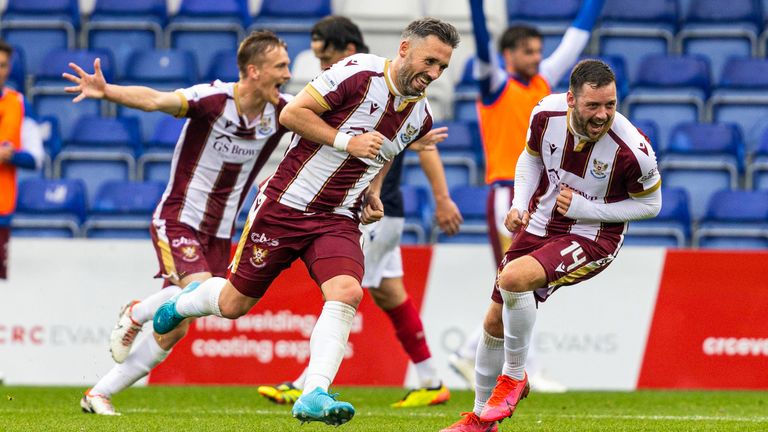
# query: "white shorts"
381,247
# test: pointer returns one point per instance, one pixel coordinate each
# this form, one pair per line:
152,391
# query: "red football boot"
503,401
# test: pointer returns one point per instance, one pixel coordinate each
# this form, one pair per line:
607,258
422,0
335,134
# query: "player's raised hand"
373,210
564,199
88,85
448,216
514,220
429,141
366,145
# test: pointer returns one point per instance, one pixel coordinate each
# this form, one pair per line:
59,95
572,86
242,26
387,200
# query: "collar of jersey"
392,89
583,140
257,120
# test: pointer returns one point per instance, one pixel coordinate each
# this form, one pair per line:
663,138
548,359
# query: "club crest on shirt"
408,134
189,253
599,169
259,257
265,125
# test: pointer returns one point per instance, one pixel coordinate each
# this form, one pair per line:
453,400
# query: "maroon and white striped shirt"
620,165
217,157
360,97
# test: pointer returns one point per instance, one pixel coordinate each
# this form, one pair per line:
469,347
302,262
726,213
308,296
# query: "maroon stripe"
626,170
347,97
193,144
539,192
576,162
392,121
539,125
217,202
338,185
290,167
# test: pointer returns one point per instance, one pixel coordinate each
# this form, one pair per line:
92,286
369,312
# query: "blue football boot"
166,318
318,405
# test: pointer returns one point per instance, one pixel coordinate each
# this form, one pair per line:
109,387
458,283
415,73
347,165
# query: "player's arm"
527,176
138,97
302,116
373,209
487,70
574,41
447,212
30,156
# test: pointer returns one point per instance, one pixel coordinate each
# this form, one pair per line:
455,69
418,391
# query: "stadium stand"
49,208
735,220
471,201
122,209
672,226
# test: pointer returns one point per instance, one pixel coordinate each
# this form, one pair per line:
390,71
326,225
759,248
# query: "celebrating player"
507,95
585,172
231,130
334,38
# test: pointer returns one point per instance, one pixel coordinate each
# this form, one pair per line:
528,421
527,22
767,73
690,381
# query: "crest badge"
408,134
259,257
265,125
189,253
599,169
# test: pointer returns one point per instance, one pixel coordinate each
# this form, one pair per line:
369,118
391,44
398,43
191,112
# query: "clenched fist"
366,145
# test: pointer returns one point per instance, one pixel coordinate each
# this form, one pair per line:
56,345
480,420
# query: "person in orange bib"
13,154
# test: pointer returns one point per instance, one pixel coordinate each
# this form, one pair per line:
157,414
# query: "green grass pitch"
241,409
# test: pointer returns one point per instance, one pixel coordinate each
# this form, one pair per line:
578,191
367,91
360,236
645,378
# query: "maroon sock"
410,331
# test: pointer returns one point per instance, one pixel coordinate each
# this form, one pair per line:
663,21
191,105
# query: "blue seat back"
650,129
553,10
663,71
167,132
471,201
204,44
94,131
751,118
127,198
162,67
734,11
64,10
647,11
65,112
295,9
40,196
235,11
706,138
745,73
675,206
57,62
223,67
738,206
151,10
699,183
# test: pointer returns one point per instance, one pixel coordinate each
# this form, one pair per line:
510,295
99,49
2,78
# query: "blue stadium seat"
471,201
280,15
618,66
417,213
741,98
125,27
99,150
123,210
670,228
155,162
633,29
48,77
223,67
49,208
551,18
163,69
461,154
669,98
39,26
297,41
735,220
465,110
66,113
467,88
17,78
703,158
207,27
757,169
651,130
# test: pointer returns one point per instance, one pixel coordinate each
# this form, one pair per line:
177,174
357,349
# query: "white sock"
203,300
144,310
427,373
469,349
145,356
328,344
490,360
519,315
299,382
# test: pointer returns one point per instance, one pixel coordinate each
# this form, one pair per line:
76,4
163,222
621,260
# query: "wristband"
341,141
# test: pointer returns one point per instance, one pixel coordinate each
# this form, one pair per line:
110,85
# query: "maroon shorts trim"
278,235
500,240
181,250
567,260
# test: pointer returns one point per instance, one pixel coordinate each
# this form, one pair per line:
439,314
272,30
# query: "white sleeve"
634,208
565,55
32,141
527,174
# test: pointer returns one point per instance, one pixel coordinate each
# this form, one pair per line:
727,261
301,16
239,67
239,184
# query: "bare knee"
345,289
521,275
390,293
233,304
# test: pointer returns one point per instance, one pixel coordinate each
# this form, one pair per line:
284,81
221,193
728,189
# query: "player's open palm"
515,220
88,85
366,145
430,141
373,210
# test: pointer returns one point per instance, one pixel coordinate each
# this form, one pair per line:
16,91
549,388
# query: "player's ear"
254,71
571,98
405,45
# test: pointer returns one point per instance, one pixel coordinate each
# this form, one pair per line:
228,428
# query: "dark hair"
6,48
594,72
423,27
337,32
516,34
254,46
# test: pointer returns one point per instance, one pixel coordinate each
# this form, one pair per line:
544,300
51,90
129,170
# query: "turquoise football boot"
166,318
318,405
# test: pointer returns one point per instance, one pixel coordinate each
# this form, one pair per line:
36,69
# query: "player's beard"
405,77
582,125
